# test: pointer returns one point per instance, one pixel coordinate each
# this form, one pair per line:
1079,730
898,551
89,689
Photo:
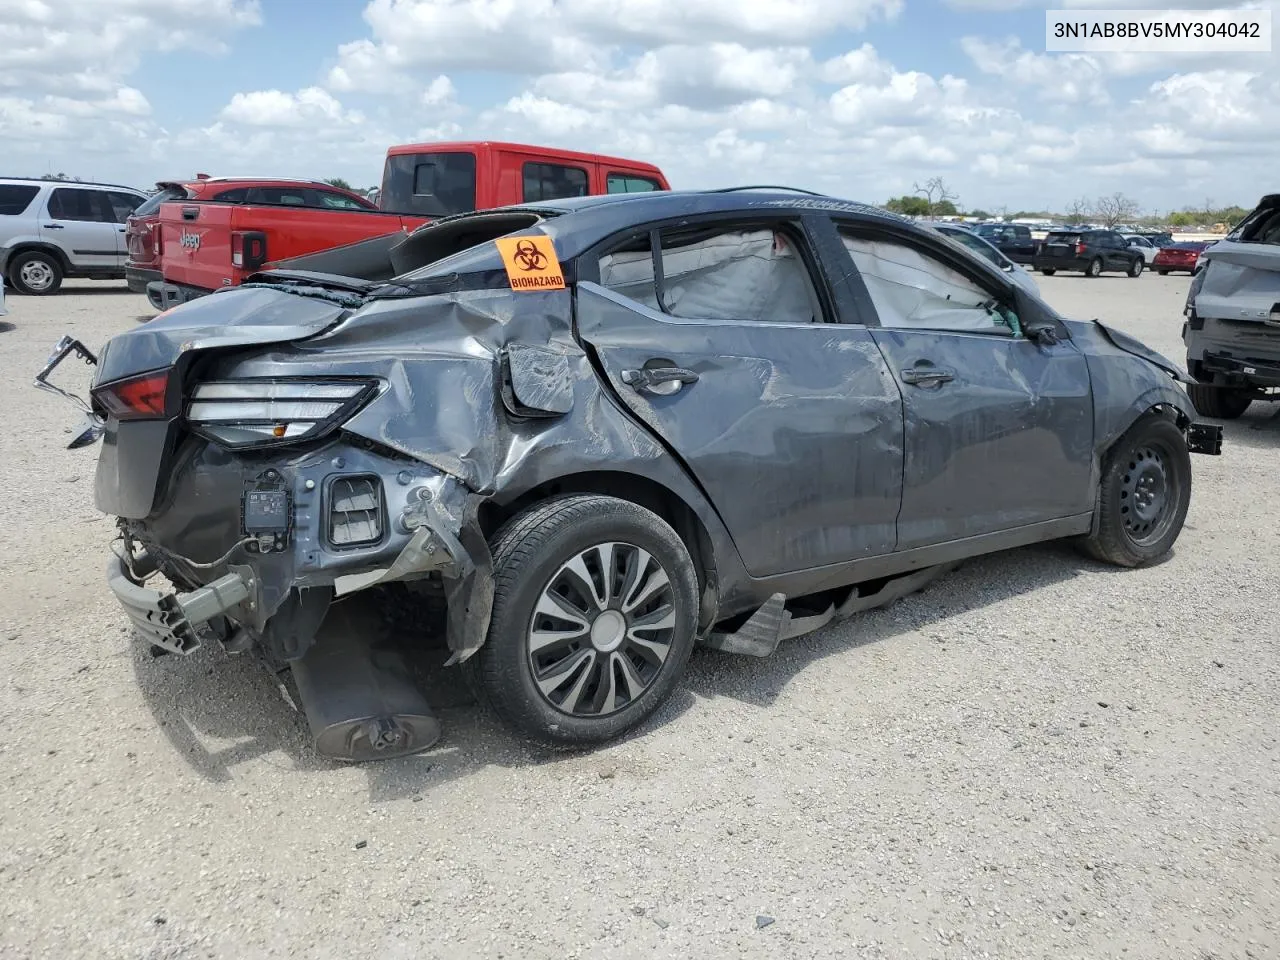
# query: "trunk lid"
134,452
1240,280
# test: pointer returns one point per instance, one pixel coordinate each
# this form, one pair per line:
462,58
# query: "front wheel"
1048,271
1094,269
36,273
1221,403
1144,496
1135,268
595,610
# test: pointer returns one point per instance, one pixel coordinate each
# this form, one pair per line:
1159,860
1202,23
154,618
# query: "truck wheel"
595,609
1163,273
1221,403
35,273
1048,271
1135,268
1094,269
1144,495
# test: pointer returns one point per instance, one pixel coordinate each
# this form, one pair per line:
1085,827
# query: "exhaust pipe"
356,689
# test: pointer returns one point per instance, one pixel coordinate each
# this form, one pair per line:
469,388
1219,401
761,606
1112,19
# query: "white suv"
52,229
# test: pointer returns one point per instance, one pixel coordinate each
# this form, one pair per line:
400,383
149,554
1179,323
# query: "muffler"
357,691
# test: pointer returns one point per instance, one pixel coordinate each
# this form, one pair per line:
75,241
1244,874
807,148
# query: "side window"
237,195
718,272
282,196
86,205
1022,234
123,205
14,199
913,289
338,201
550,181
628,183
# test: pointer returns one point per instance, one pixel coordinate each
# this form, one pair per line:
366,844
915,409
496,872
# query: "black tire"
1145,492
530,555
1048,271
1135,268
35,263
1094,269
1163,273
1221,403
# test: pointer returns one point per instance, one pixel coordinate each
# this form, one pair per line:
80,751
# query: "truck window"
152,203
551,181
15,198
232,196
332,200
629,183
429,184
284,196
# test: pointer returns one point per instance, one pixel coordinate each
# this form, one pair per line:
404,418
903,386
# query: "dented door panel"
793,430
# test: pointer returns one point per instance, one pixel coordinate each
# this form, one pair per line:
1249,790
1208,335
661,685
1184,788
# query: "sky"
863,99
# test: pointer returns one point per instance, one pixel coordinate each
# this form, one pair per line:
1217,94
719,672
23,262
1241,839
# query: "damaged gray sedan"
602,431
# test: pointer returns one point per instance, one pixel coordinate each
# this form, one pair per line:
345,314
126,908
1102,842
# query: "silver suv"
53,229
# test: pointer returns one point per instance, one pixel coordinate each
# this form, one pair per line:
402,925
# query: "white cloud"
275,108
1057,77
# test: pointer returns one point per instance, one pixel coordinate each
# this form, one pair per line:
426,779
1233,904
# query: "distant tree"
1116,208
1078,210
936,192
945,208
339,183
1182,218
56,176
908,206
979,214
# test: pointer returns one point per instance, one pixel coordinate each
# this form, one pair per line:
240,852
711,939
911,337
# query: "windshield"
429,184
170,191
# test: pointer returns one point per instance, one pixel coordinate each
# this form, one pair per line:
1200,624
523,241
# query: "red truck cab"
205,245
141,229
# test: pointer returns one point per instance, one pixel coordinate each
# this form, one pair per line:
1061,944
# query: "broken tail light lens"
138,398
253,413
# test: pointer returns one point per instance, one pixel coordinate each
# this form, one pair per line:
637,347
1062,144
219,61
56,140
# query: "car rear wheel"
595,610
1221,403
1135,268
1145,492
1048,271
1163,273
1094,269
35,273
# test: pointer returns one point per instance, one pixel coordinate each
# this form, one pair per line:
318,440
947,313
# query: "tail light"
138,398
248,249
252,413
1080,248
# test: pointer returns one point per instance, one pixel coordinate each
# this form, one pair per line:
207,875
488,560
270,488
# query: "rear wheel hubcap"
37,275
601,630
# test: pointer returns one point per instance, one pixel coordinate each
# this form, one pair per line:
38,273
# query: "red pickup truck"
207,245
143,265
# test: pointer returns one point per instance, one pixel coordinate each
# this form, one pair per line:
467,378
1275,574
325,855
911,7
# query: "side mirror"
1044,333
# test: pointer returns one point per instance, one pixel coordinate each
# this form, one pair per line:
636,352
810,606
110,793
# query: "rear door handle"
54,226
926,375
660,380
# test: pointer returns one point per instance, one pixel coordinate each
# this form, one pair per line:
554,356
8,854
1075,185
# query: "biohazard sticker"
531,263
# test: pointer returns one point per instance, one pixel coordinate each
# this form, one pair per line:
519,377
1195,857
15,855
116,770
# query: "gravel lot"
1036,757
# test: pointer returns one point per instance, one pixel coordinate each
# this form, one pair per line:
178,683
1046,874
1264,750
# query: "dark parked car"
1012,239
1092,252
603,430
1178,257
1232,331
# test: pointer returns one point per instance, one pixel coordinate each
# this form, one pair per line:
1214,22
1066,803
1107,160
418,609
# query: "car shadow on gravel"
5,326
1258,429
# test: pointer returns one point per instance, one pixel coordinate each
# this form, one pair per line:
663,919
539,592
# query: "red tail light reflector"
1080,248
140,398
248,249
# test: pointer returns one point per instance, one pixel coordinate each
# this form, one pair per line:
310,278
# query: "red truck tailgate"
195,238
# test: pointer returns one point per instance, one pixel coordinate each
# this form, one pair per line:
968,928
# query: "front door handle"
927,375
660,380
54,226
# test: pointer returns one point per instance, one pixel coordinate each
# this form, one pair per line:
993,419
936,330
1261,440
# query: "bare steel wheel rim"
1148,496
37,275
602,630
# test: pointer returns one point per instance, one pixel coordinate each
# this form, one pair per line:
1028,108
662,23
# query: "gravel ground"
1036,757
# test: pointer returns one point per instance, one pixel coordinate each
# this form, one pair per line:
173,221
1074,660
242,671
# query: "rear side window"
84,205
551,181
629,183
237,195
15,198
429,184
152,203
123,204
1022,233
340,201
754,273
978,246
283,196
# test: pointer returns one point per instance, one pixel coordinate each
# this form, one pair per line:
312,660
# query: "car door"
787,418
998,428
1118,256
79,220
122,207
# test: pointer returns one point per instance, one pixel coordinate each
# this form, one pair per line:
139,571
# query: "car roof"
69,183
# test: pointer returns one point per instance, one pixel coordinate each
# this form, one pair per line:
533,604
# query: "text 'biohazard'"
531,263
